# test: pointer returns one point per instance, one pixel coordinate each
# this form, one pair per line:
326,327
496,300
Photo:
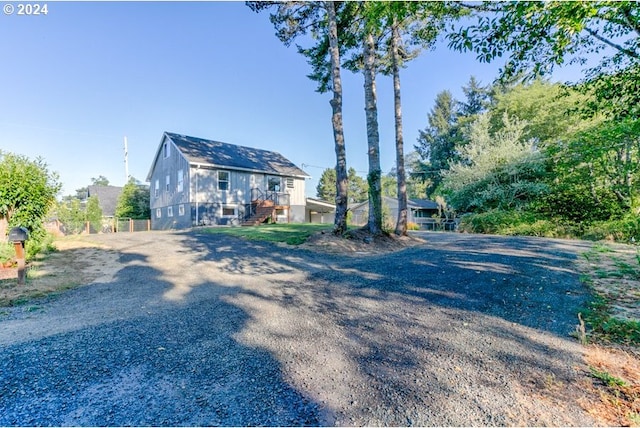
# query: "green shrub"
516,223
626,229
6,252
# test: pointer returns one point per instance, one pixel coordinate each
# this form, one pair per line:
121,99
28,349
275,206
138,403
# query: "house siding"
203,201
172,197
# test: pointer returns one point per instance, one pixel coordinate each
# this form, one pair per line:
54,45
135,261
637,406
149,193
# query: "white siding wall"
207,191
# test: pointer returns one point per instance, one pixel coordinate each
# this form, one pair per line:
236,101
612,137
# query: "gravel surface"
198,329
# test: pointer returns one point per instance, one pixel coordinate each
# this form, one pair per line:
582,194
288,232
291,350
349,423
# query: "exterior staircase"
264,210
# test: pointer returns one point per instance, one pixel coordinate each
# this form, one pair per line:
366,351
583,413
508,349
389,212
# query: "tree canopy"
538,36
133,201
27,191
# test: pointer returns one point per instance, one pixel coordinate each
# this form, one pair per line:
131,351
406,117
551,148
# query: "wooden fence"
108,225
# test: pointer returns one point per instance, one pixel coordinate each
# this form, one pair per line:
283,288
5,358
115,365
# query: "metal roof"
199,151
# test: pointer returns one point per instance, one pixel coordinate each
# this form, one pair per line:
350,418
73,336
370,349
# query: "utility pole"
126,160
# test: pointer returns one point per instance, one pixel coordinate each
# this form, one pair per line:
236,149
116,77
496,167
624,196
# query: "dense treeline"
526,159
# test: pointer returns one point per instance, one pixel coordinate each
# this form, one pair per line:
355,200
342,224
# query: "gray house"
420,211
107,198
194,181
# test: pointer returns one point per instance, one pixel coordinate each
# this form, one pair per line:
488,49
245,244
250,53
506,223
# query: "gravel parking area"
197,329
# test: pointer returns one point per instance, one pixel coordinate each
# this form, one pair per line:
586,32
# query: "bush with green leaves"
517,223
626,229
74,216
497,170
27,192
133,201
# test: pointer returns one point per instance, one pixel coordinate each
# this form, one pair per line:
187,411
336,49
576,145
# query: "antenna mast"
126,160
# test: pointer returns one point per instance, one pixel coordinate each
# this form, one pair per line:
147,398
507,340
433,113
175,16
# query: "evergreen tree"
437,143
326,188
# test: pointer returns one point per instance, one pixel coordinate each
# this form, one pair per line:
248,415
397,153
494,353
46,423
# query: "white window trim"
167,183
157,189
166,150
169,211
235,211
158,212
180,180
228,180
181,210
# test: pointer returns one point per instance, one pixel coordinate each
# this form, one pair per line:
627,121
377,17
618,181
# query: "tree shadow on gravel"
463,332
130,357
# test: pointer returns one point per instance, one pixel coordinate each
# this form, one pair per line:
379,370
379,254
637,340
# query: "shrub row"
526,223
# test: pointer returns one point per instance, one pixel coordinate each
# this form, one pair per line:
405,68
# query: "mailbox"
18,234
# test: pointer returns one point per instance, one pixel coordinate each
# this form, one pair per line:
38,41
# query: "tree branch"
484,7
626,12
616,46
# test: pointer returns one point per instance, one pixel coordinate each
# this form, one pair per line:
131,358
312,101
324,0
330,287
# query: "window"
169,211
165,150
180,180
223,180
158,212
167,182
273,185
157,192
289,183
229,211
181,209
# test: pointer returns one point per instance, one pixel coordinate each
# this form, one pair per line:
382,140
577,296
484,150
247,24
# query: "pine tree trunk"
401,224
373,138
340,223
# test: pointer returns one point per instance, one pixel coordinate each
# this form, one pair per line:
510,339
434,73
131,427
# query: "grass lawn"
292,234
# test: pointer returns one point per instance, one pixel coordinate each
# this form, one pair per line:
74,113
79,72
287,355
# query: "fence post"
88,228
130,225
148,225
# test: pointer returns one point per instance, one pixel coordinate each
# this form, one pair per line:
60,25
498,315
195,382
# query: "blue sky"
77,81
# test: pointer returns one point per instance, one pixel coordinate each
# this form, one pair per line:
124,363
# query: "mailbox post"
19,235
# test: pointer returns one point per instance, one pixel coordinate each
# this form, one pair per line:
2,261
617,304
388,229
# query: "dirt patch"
612,386
76,262
359,242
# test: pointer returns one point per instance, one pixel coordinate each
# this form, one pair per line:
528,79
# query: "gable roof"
199,151
392,203
107,198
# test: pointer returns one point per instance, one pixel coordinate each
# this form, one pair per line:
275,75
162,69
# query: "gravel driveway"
198,329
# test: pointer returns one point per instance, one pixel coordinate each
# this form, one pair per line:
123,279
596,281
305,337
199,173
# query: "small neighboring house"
420,211
107,198
194,181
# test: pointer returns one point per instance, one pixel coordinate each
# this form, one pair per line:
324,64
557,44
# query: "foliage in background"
74,215
27,191
589,132
326,188
133,202
536,37
498,170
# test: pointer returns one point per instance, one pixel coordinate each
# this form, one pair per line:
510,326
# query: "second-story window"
167,182
180,180
157,188
223,180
